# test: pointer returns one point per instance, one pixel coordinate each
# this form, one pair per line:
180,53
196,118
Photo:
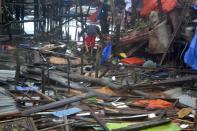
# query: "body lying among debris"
105,65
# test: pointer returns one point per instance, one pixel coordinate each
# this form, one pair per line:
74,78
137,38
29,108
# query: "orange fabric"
149,5
161,104
93,17
133,60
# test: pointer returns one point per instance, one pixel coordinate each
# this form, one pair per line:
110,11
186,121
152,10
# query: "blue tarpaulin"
68,2
66,112
28,88
106,52
190,57
195,7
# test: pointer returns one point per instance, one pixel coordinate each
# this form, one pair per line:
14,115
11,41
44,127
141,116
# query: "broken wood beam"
59,54
56,104
9,115
45,96
134,37
146,95
163,69
144,125
76,77
176,81
99,81
52,127
63,81
100,122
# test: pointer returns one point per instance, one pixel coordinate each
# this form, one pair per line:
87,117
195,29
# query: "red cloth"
154,104
149,5
90,41
133,61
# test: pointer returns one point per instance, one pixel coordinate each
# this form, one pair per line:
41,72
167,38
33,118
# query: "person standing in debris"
128,8
103,17
90,36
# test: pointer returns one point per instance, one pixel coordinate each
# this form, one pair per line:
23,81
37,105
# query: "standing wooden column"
82,62
0,8
160,10
82,28
98,60
43,80
195,120
0,12
17,74
113,10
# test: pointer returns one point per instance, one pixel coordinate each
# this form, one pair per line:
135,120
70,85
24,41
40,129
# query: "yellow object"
123,55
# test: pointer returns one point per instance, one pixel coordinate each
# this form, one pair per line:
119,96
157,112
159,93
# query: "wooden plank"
56,104
100,122
176,81
144,125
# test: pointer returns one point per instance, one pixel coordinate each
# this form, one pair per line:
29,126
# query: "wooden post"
56,104
98,57
113,10
6,12
43,80
82,28
82,62
17,74
195,120
160,10
68,74
98,120
0,8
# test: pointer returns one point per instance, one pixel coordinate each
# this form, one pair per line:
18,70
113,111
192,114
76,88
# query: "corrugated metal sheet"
7,103
7,74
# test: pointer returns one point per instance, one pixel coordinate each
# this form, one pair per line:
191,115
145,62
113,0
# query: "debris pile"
133,79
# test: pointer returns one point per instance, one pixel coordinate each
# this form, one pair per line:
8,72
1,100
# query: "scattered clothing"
133,61
154,104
